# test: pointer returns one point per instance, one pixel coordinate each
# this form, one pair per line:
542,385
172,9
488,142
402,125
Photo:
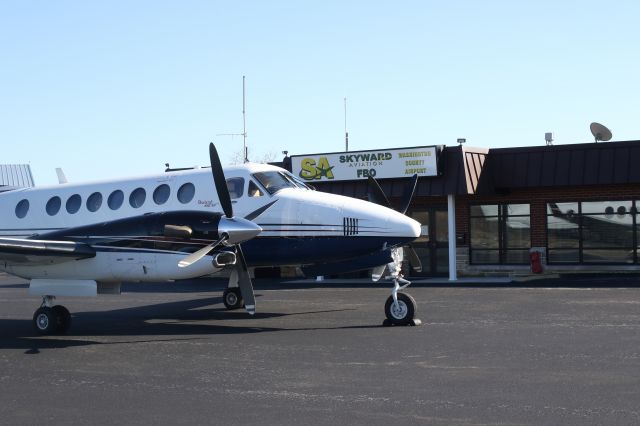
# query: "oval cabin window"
73,204
137,197
94,202
53,206
22,209
115,199
186,193
161,194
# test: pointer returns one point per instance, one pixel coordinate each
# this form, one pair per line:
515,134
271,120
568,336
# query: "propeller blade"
375,194
378,272
407,196
414,260
220,181
259,211
244,282
195,256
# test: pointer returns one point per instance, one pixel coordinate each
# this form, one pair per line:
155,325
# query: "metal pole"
346,134
244,126
451,216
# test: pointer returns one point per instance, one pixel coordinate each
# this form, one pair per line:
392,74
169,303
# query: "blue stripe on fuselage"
266,251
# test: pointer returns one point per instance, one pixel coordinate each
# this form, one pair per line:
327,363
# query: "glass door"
432,246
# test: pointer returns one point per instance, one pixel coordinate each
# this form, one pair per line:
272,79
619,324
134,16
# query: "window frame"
503,248
633,212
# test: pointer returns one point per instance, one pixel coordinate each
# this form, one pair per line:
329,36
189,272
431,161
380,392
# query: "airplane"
85,239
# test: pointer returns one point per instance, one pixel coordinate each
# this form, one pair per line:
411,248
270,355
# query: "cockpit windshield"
299,182
273,181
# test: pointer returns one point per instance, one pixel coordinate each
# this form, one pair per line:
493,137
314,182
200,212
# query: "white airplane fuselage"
300,226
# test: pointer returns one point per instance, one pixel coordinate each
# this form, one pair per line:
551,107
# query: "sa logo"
311,170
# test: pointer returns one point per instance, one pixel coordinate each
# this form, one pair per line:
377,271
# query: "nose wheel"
49,319
401,311
400,308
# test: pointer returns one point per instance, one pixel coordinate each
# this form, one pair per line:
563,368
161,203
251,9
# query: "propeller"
375,194
220,182
408,193
414,260
197,255
244,282
232,230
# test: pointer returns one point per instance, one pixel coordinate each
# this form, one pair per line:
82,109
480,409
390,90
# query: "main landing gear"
232,298
49,319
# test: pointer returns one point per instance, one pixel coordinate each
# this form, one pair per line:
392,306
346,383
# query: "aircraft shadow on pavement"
182,320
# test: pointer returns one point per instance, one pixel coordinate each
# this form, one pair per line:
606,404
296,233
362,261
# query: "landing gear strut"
50,319
400,308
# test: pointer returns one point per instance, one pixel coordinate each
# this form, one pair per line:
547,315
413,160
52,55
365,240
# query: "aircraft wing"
40,252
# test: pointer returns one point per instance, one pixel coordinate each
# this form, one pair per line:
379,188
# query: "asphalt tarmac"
316,353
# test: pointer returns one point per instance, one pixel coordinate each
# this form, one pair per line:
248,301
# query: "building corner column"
451,226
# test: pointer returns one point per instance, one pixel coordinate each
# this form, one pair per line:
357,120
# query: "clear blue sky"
115,88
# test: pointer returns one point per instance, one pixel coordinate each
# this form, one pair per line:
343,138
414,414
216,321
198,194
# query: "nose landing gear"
400,308
50,319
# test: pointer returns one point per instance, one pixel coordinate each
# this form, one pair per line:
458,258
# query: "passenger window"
161,194
186,193
254,191
73,204
115,199
137,197
94,202
53,205
235,187
22,208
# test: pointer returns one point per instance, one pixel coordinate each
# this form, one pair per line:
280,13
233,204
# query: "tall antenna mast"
244,126
346,134
245,152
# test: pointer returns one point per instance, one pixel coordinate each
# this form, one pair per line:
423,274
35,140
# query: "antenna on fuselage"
62,179
245,152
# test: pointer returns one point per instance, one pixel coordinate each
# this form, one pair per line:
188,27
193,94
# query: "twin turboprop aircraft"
85,239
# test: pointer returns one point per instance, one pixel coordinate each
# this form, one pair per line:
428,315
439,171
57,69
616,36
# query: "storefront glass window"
591,232
500,233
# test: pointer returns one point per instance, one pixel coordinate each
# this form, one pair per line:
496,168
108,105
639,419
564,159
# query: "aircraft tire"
403,313
64,319
45,321
232,298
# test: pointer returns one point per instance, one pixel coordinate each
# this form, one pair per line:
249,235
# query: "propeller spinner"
232,231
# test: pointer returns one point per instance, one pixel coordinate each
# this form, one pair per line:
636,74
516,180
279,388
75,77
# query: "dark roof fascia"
602,163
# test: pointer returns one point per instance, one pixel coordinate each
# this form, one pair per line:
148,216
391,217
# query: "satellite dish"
600,132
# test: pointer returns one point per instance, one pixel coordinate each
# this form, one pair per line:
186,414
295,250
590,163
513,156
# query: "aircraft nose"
406,226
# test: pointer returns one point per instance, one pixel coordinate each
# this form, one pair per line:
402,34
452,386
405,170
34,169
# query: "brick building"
576,205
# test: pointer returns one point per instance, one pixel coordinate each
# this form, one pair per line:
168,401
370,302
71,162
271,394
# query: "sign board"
379,163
